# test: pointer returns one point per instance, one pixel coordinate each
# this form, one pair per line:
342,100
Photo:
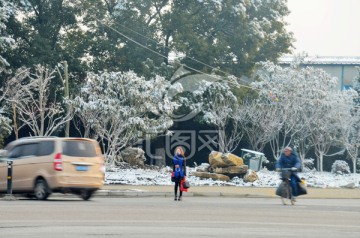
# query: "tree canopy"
100,35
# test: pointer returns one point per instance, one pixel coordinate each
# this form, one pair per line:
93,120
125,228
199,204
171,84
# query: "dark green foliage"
96,35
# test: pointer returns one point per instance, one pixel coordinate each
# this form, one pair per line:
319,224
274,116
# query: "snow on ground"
266,178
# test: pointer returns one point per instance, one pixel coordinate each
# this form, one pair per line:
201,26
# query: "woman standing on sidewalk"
179,171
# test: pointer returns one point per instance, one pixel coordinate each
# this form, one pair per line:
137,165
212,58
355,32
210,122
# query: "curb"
129,194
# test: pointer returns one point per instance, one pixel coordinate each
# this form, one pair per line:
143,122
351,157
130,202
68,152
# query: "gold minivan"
44,165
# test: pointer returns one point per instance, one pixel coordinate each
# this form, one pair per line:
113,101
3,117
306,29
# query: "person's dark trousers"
294,180
177,187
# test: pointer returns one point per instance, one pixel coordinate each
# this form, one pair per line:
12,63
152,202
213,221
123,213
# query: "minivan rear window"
46,148
77,148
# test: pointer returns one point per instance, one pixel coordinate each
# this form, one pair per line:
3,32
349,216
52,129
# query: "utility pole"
67,126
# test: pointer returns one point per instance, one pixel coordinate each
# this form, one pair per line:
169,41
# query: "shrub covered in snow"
308,165
340,167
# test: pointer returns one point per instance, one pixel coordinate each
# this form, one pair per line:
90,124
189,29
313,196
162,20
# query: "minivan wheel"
41,191
86,194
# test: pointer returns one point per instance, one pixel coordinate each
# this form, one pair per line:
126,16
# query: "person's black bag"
186,185
301,189
280,191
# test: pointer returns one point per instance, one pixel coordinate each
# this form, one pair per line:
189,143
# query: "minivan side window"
46,148
77,148
15,152
29,149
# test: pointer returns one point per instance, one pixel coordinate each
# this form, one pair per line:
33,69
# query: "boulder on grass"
220,160
250,176
232,170
213,176
233,160
134,156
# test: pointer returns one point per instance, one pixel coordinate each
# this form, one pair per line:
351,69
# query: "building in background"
343,68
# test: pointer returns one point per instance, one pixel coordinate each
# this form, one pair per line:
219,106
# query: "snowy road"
195,217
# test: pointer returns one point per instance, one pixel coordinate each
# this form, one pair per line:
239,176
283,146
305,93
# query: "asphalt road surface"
194,217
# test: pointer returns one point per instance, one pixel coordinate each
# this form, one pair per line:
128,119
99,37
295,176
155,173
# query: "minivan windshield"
3,154
78,148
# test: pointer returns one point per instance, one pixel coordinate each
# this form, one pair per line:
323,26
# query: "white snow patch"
266,178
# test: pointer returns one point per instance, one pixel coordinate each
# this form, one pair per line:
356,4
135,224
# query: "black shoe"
180,198
175,199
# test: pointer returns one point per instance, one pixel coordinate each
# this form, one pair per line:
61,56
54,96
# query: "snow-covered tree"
121,108
326,123
34,103
309,108
351,138
260,121
6,10
351,127
278,89
5,122
222,110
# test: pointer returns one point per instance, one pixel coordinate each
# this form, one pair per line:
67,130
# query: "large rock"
133,156
232,170
233,159
204,167
220,160
250,176
213,176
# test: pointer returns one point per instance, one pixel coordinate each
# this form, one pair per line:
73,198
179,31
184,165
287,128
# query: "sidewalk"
225,191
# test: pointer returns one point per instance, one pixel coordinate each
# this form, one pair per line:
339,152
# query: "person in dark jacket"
289,160
179,171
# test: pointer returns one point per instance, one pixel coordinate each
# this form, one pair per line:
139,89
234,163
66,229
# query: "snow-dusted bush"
340,167
308,165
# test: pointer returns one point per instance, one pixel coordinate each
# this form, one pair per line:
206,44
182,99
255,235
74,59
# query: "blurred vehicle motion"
45,165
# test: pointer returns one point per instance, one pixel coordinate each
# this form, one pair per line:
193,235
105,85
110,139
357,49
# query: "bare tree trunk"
87,132
302,157
354,160
16,130
41,98
222,141
166,47
321,159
